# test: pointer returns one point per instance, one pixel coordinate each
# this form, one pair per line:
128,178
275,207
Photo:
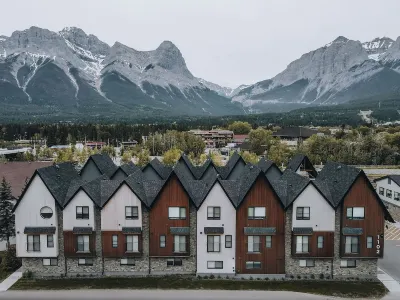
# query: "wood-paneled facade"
120,251
361,194
272,259
326,251
71,245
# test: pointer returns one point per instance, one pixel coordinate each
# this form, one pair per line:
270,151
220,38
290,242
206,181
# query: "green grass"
347,289
4,275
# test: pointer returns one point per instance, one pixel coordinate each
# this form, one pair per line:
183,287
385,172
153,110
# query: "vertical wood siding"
120,251
71,245
326,251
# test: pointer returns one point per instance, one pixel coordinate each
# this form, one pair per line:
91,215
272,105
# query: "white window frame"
33,243
163,241
127,262
131,212
132,243
302,244
228,241
219,264
253,244
303,213
256,213
85,261
180,244
176,213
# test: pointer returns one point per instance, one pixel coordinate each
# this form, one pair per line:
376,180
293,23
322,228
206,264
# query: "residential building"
297,134
124,171
215,138
388,188
302,165
96,166
269,168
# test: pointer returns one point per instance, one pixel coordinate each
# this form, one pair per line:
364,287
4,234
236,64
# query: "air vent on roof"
57,167
339,167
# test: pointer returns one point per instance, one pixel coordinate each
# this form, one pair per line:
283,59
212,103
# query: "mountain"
71,72
338,72
221,90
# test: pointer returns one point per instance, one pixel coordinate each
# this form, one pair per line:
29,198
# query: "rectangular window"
213,243
85,261
256,213
132,243
115,241
174,262
83,243
50,241
389,193
396,196
215,265
50,261
131,212
213,213
306,263
33,243
176,213
303,213
228,241
253,244
180,243
389,180
82,212
163,241
349,263
268,241
320,242
370,242
127,262
381,191
253,265
352,244
355,213
302,244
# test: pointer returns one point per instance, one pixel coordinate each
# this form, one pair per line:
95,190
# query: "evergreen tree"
7,222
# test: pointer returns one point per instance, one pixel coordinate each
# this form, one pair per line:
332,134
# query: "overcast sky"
229,42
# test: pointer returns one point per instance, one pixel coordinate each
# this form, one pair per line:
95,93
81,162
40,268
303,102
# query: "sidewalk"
10,280
392,285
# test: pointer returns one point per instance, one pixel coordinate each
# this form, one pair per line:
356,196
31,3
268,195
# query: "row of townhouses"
237,220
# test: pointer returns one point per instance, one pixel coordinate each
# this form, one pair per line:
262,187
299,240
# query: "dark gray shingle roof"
104,163
301,159
264,164
230,165
160,168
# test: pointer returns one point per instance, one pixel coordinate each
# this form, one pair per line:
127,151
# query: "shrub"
321,276
10,262
78,275
266,278
219,276
305,277
198,277
27,274
251,278
205,277
312,276
291,276
212,276
227,277
298,277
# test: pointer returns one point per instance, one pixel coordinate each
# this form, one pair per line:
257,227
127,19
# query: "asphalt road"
390,263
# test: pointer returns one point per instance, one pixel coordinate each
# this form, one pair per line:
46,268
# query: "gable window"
306,263
320,242
46,212
163,241
131,212
352,244
253,265
82,212
33,243
176,213
256,213
115,241
253,244
50,241
50,261
349,263
83,243
215,265
389,193
132,243
213,213
381,191
396,196
355,213
389,180
127,262
228,241
174,262
85,262
213,243
370,242
303,213
179,243
302,244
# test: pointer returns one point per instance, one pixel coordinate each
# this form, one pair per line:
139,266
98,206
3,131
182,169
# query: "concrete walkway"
10,280
392,285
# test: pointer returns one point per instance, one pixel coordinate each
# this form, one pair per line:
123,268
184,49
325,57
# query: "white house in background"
216,233
388,188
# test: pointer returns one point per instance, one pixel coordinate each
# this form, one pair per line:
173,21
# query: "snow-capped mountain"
377,47
72,71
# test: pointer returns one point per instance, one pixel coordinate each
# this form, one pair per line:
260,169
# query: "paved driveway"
390,263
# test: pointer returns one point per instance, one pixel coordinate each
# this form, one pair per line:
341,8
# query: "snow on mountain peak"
377,47
339,40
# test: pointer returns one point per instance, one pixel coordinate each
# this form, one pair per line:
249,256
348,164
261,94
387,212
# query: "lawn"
348,289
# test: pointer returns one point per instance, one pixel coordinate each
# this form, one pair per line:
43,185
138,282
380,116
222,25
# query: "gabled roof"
266,164
230,165
301,159
128,169
162,170
395,178
104,164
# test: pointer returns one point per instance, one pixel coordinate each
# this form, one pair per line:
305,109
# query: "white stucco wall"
27,214
322,215
216,197
69,214
113,213
393,186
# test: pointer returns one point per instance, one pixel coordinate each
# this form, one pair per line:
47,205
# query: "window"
256,213
127,262
83,243
174,262
352,244
85,262
381,191
213,243
213,213
396,196
50,262
46,212
50,241
389,193
268,241
349,263
131,212
253,244
132,243
302,244
355,213
115,241
253,265
228,241
163,241
370,242
177,213
179,243
307,263
320,242
82,212
389,180
303,213
215,265
33,243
